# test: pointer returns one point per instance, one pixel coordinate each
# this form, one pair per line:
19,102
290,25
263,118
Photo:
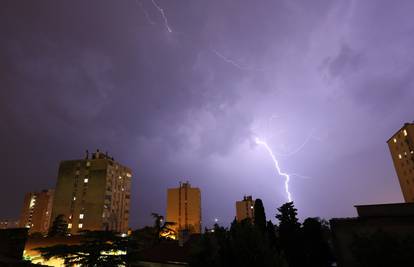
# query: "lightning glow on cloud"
276,163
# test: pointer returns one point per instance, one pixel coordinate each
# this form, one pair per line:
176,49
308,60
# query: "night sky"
179,90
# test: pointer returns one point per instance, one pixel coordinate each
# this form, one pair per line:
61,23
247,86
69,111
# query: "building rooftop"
386,210
404,126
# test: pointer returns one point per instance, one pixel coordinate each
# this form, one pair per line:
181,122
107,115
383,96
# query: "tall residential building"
245,208
93,194
36,211
184,208
401,146
9,224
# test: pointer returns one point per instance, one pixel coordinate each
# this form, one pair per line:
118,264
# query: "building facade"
36,211
93,194
9,224
184,208
382,226
401,146
245,209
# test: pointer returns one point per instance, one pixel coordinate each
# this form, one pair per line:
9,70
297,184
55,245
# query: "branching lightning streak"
233,62
161,10
227,60
300,176
147,16
276,163
299,148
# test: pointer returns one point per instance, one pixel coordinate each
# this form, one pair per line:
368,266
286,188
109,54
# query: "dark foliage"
161,226
316,247
259,216
59,226
381,249
244,244
290,235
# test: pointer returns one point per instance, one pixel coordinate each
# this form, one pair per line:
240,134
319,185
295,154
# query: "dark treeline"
261,243
246,243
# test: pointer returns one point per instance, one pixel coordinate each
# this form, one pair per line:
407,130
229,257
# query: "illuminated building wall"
9,224
93,194
401,146
245,208
184,208
36,211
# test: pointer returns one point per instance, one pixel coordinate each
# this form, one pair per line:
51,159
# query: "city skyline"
184,94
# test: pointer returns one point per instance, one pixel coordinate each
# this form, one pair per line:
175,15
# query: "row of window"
405,134
405,154
80,225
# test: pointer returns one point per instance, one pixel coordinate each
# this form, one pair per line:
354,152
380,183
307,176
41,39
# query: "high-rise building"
245,209
93,194
36,211
401,146
184,208
9,224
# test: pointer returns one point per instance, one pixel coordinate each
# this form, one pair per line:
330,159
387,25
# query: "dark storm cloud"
187,105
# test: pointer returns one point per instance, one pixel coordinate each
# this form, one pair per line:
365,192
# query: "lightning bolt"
161,10
233,62
276,164
300,147
147,16
227,60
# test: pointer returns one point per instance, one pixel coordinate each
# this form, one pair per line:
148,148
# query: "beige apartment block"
36,211
245,209
401,146
184,208
93,194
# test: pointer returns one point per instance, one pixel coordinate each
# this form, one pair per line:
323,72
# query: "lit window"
412,152
128,175
85,180
395,140
69,225
32,202
251,207
120,177
405,153
70,217
399,156
74,198
88,164
405,132
81,216
80,226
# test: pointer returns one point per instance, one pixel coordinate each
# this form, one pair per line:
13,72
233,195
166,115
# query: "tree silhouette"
243,245
317,250
59,226
271,235
161,226
259,215
289,233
